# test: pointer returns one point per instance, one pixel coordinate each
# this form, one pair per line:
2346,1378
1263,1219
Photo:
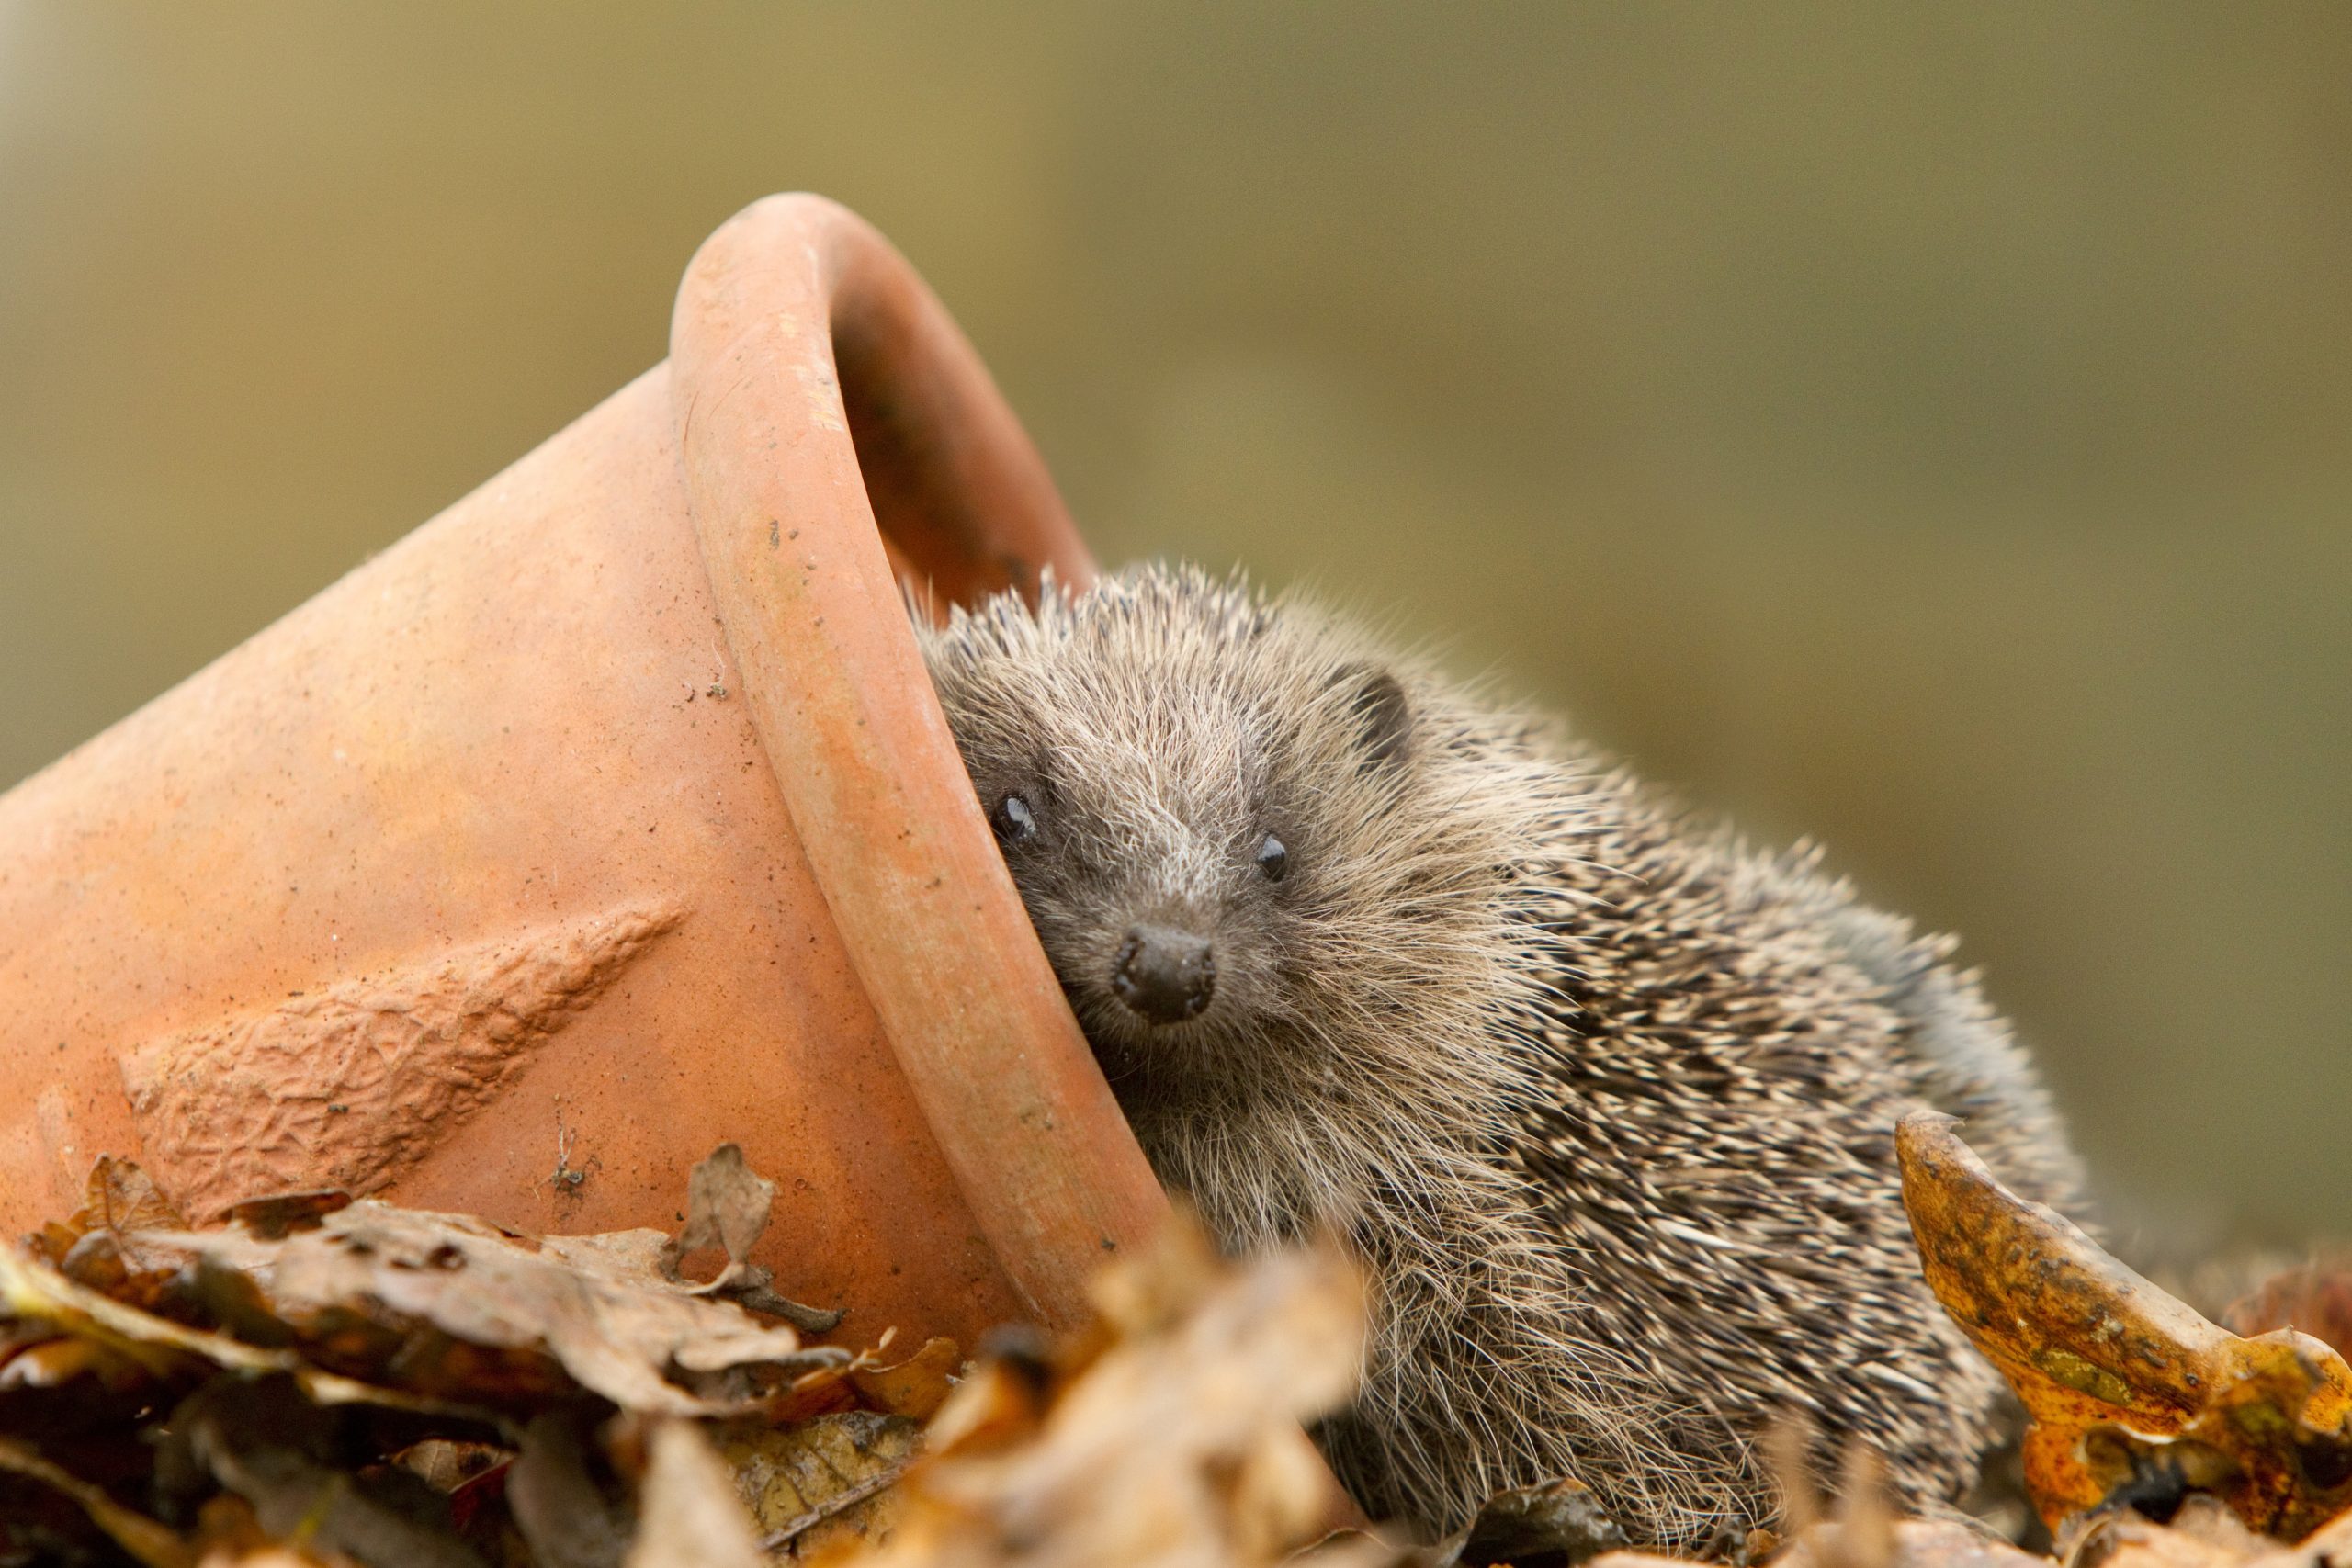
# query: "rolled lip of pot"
837,431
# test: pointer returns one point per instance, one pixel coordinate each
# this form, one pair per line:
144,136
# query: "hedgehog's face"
1168,859
1207,814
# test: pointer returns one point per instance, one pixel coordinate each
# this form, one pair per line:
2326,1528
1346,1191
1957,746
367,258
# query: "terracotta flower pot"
608,817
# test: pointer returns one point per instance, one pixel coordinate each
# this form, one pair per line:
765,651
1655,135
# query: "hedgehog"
1602,1098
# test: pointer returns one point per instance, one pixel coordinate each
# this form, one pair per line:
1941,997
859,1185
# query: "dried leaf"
463,1309
1180,1443
1550,1526
121,1197
917,1386
2134,1397
822,1481
692,1515
445,1466
96,1249
727,1206
173,1351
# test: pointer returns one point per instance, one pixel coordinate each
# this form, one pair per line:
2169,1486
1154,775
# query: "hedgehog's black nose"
1165,976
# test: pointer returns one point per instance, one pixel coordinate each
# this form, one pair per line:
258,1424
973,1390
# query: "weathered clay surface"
351,1084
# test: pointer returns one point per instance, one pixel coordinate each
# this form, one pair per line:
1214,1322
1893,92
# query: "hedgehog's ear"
1383,716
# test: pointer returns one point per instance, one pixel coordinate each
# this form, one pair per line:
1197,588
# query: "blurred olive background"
1925,428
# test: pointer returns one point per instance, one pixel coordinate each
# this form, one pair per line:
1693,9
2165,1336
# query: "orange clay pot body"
607,817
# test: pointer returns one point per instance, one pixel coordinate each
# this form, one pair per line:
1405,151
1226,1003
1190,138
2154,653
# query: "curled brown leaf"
2134,1397
472,1311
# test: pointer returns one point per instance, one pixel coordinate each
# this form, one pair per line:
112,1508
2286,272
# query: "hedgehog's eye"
1272,859
1014,820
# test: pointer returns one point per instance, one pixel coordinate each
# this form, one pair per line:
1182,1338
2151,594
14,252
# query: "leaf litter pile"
316,1380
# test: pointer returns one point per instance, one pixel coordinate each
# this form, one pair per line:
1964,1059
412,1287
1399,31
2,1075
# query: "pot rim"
830,417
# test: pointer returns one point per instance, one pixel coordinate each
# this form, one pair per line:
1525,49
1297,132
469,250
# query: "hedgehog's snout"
1165,976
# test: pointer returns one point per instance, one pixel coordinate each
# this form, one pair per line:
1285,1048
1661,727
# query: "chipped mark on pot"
352,1084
